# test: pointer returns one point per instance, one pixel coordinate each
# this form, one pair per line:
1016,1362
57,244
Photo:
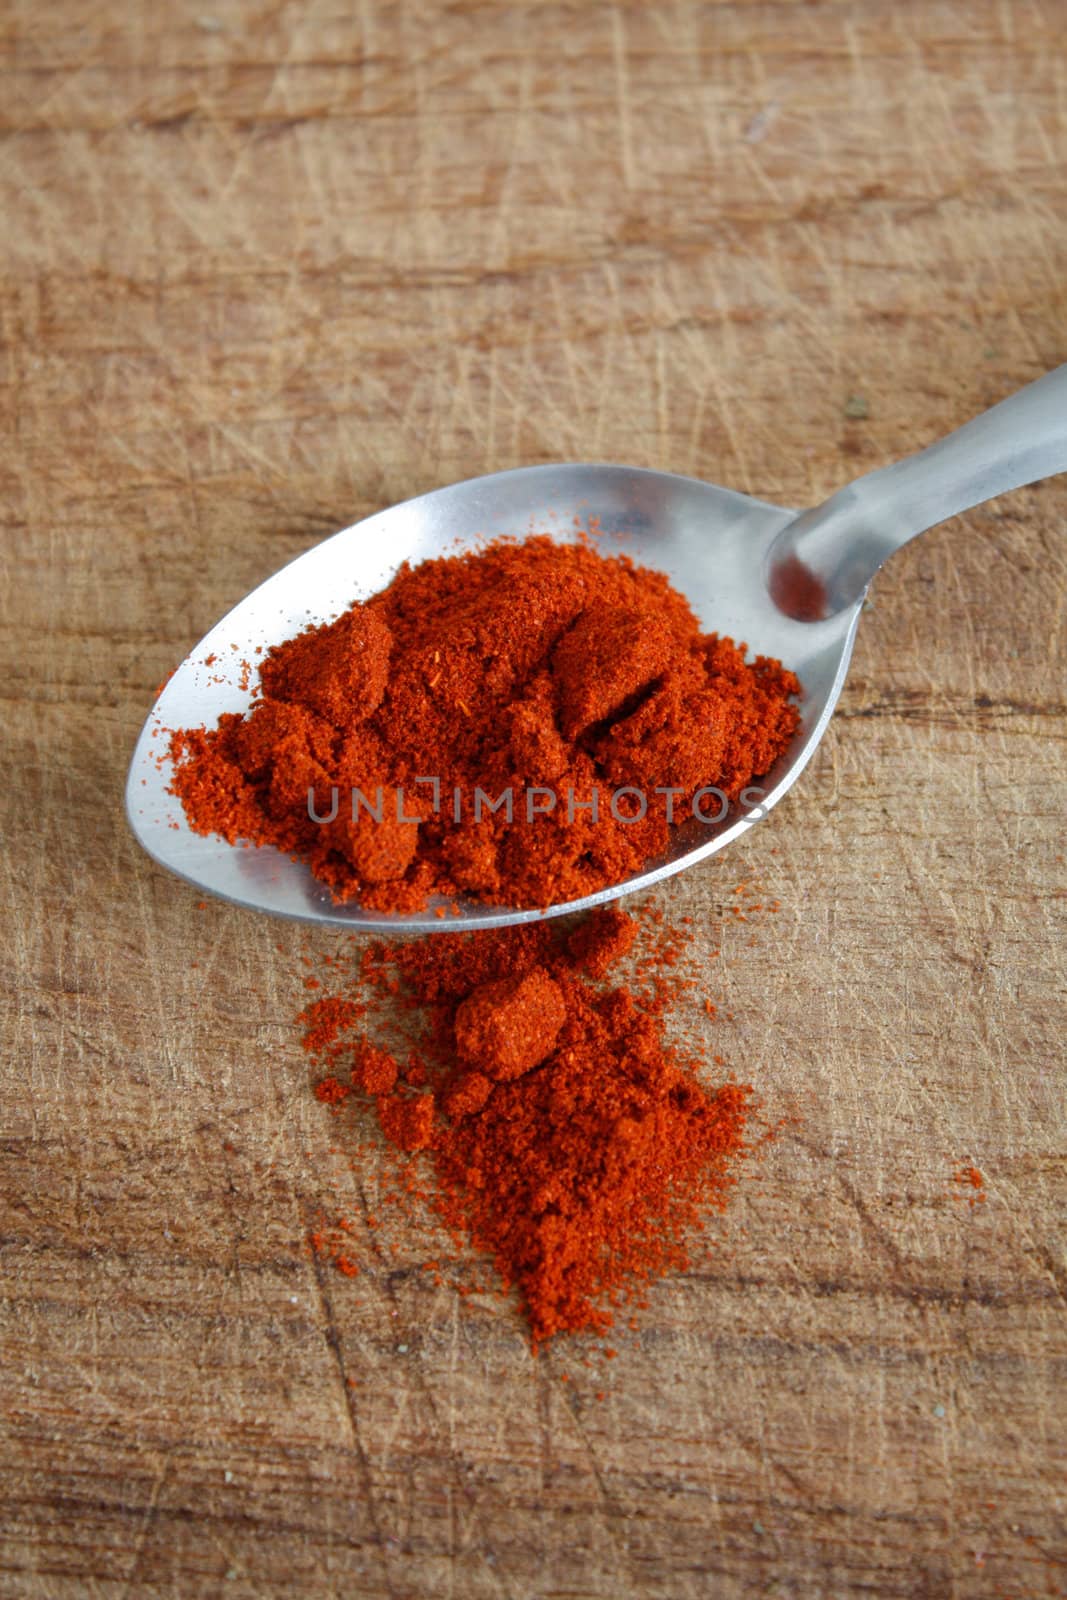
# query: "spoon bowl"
727,553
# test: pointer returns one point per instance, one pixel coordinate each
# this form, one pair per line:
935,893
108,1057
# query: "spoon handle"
825,558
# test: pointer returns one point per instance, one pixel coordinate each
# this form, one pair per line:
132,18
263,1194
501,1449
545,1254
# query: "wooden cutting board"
267,268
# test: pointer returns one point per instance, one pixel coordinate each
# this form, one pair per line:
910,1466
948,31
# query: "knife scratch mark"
332,1336
147,1522
622,97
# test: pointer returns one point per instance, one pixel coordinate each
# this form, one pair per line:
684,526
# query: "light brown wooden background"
268,267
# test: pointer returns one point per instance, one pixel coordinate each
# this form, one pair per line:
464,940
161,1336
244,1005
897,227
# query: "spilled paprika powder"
566,1138
520,724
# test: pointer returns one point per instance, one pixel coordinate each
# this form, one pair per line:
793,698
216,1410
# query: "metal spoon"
789,585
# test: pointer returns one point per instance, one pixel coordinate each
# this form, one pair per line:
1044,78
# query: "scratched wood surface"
266,268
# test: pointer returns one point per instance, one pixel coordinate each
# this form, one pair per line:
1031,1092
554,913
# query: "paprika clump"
567,1138
520,724
505,1028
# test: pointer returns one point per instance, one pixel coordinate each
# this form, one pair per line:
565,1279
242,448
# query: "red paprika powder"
520,724
566,1138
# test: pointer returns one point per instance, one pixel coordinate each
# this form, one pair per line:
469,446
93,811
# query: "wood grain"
269,267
